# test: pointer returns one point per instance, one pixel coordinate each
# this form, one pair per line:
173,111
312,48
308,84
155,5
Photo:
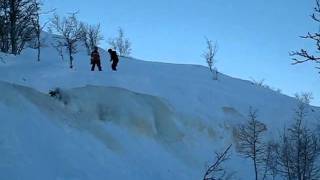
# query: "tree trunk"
70,57
38,46
255,167
13,29
39,54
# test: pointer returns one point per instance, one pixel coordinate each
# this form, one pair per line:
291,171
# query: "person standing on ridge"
114,58
95,59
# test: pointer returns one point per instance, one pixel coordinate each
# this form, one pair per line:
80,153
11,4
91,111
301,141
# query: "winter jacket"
114,56
95,57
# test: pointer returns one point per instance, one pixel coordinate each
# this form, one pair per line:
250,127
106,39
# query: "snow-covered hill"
146,121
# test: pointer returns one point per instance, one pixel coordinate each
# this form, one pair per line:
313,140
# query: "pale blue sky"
254,36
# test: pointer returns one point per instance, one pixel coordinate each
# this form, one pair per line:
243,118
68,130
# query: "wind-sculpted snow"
142,114
47,138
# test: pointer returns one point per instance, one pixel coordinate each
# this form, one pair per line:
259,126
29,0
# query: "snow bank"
92,133
146,121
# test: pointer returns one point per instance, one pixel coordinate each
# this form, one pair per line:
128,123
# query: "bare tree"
304,55
68,33
250,140
216,171
121,43
38,27
91,36
209,55
4,26
299,148
16,24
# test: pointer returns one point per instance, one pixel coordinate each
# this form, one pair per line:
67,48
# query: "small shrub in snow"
55,93
261,83
59,95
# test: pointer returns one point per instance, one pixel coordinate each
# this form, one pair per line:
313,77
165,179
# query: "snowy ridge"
147,121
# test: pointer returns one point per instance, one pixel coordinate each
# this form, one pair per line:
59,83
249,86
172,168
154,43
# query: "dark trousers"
114,65
94,65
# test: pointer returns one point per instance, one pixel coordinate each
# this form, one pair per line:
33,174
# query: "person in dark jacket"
114,58
95,59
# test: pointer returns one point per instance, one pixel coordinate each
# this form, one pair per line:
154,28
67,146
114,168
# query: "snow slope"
89,137
146,121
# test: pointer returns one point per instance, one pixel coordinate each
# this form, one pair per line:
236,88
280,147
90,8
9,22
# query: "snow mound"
140,113
88,130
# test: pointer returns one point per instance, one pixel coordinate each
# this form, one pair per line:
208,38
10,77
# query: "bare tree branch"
303,55
215,171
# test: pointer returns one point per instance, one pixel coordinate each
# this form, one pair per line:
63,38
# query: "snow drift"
90,133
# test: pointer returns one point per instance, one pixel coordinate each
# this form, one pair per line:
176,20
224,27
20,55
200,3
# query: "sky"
254,37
